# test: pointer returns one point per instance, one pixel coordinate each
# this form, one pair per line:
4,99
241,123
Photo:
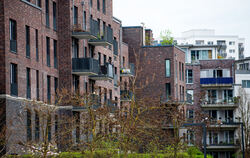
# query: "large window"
13,36
28,85
37,85
201,55
54,16
168,68
13,80
37,127
98,5
245,83
168,91
27,32
37,52
29,126
76,83
75,15
55,54
48,90
38,3
190,96
104,6
190,115
189,76
75,45
47,12
48,50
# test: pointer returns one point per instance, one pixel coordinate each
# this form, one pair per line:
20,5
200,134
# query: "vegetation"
166,38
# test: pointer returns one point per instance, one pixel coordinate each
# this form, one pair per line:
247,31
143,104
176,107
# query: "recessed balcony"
85,66
106,73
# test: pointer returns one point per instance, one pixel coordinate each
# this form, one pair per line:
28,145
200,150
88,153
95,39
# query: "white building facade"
229,46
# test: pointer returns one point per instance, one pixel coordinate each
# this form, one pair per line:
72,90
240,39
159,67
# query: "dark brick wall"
2,50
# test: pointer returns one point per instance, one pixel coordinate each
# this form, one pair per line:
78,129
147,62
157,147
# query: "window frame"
167,69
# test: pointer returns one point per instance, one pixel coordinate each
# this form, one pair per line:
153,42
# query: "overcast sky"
227,17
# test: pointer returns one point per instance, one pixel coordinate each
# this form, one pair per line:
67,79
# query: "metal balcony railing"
104,39
128,71
13,46
106,72
223,80
85,66
92,33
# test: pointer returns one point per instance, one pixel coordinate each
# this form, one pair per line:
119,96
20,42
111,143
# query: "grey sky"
227,17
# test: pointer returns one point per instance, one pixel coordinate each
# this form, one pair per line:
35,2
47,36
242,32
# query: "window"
183,72
37,52
56,88
84,21
76,83
180,71
104,59
13,36
199,42
104,6
110,95
55,54
231,51
75,45
168,91
75,15
190,114
37,127
13,80
210,42
189,76
27,31
91,3
37,84
168,71
244,66
99,58
201,55
190,96
47,12
232,43
54,16
29,126
48,50
28,86
77,130
98,5
245,83
49,128
38,3
48,90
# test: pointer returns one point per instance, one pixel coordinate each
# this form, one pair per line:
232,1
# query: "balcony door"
229,115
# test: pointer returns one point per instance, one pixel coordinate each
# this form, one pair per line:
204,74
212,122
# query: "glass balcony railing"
91,33
85,66
216,81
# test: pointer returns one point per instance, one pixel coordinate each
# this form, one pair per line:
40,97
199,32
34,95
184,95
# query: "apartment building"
50,45
230,46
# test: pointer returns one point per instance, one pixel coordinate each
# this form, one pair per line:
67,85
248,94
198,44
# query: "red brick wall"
2,50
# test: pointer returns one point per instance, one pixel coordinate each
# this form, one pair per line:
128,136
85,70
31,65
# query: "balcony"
106,39
222,45
223,124
216,82
223,146
126,96
214,103
241,48
85,66
127,72
92,33
106,73
93,102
